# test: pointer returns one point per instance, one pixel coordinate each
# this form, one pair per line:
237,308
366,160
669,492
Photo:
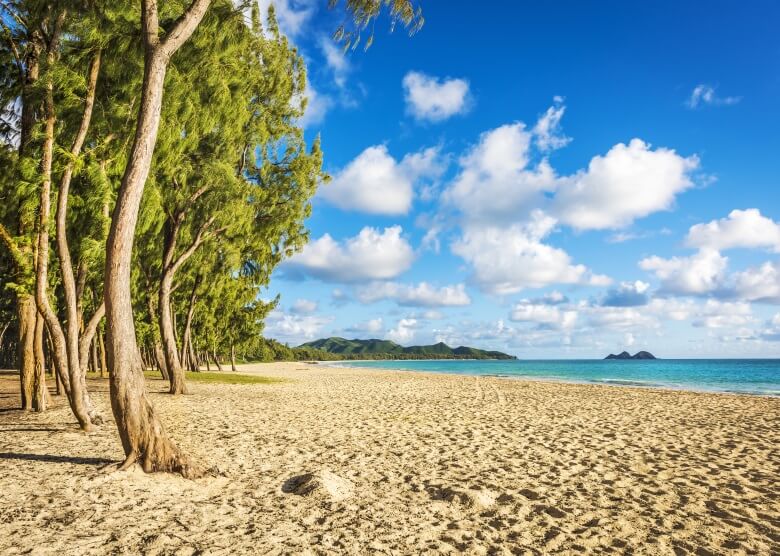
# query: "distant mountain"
385,349
626,355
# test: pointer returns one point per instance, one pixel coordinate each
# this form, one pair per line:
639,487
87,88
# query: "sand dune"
362,461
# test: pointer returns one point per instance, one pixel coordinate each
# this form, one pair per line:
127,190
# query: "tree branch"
12,247
184,26
200,237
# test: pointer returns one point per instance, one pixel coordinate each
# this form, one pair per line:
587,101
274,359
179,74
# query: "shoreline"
613,383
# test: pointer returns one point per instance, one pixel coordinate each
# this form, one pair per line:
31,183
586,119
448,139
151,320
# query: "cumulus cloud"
507,260
742,228
435,99
294,328
627,294
420,295
371,255
760,283
303,307
703,272
543,315
704,94
629,182
547,131
376,183
495,182
403,332
719,314
618,318
371,326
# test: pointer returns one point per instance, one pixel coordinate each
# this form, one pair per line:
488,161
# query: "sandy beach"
355,461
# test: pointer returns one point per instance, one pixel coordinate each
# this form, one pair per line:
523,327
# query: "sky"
550,179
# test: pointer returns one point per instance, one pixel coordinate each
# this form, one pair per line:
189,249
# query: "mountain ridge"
374,348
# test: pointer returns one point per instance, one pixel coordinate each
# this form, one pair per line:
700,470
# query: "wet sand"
357,461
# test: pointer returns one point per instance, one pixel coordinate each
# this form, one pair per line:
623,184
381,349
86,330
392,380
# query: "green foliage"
362,13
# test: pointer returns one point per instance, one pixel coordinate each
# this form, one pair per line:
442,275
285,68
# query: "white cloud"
742,228
547,131
434,99
544,315
618,318
703,272
759,283
371,255
719,314
294,328
705,94
403,332
336,59
629,182
507,260
376,183
627,294
420,295
292,15
628,339
495,183
371,326
303,307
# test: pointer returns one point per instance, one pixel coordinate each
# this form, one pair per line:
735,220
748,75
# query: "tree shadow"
55,459
32,429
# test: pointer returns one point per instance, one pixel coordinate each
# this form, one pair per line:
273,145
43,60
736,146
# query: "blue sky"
555,180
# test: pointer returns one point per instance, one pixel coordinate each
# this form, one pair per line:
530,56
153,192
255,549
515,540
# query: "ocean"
742,376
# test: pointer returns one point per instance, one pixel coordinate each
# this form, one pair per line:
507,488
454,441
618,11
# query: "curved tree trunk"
69,286
142,434
61,354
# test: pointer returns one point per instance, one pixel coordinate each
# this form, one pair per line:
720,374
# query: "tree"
141,432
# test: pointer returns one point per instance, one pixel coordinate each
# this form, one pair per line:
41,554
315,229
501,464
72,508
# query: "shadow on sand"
55,459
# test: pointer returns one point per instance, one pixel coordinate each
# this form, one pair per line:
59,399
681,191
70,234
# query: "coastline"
611,382
403,462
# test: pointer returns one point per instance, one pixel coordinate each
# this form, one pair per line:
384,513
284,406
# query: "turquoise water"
744,376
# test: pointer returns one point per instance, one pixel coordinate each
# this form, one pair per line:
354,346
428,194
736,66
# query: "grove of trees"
153,173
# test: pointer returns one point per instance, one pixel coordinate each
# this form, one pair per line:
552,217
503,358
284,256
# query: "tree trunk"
26,315
232,358
168,336
94,355
141,432
194,363
62,355
102,346
186,348
40,399
216,361
208,364
88,335
160,358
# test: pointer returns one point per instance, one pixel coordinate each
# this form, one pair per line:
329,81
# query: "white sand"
363,461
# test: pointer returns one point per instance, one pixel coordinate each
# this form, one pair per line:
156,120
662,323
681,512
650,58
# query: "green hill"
385,349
